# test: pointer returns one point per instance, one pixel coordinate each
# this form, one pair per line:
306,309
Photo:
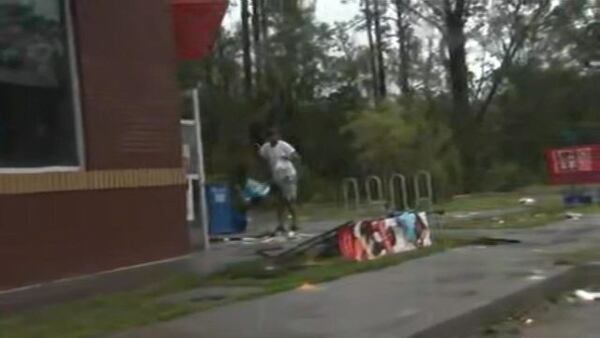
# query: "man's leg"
291,208
289,192
281,213
280,208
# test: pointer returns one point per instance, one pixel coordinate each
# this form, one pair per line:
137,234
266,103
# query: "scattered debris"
536,277
573,215
527,201
463,215
528,321
308,287
587,296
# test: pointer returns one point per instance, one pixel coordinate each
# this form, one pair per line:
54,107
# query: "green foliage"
316,84
394,138
382,137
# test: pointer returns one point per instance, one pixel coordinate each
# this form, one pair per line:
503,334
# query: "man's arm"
290,153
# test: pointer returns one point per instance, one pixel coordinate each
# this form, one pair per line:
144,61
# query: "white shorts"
288,187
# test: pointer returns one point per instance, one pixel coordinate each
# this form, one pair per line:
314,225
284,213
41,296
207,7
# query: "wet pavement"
401,301
569,321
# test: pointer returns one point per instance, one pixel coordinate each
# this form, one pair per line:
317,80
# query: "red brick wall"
131,112
130,96
57,235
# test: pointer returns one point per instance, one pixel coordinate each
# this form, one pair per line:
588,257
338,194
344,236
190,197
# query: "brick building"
90,145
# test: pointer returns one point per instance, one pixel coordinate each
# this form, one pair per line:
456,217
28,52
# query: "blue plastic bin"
576,200
222,216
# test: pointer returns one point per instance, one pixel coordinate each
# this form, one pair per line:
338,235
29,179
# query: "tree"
484,88
257,34
391,138
521,27
368,14
378,13
404,33
247,56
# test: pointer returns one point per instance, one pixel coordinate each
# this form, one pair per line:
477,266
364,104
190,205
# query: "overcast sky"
328,11
331,11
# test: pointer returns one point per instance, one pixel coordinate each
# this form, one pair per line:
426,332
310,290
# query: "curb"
469,324
88,286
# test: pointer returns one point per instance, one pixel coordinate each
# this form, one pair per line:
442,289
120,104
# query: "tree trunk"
372,65
256,30
404,37
457,68
380,61
428,71
247,58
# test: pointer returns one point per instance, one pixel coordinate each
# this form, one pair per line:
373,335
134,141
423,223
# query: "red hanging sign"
574,165
196,23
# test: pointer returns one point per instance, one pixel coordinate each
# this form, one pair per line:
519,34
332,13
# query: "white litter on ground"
536,277
527,201
573,215
587,296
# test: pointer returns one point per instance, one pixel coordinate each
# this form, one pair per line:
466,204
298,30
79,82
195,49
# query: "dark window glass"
37,124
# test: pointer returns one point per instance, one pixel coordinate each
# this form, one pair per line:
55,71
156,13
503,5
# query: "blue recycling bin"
222,216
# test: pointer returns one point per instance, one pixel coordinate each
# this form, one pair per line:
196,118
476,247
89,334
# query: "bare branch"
516,43
422,16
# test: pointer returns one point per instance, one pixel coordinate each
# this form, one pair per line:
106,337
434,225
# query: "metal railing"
378,189
392,185
419,197
350,184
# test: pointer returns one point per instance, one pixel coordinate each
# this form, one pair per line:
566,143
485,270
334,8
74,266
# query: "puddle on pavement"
213,298
491,241
208,295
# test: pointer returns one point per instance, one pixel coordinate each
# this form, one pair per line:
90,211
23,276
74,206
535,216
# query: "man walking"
280,156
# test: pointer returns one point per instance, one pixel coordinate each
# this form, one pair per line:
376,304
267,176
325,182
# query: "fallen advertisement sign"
370,239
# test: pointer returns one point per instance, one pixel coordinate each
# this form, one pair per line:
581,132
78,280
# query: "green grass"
530,218
546,196
578,257
296,274
100,315
103,315
479,202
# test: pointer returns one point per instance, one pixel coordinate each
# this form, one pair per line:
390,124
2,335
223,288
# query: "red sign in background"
574,165
196,24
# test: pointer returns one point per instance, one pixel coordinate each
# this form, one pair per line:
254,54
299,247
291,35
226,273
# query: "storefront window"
37,121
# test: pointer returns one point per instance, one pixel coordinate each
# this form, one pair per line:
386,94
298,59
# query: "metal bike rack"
429,186
404,191
347,185
379,188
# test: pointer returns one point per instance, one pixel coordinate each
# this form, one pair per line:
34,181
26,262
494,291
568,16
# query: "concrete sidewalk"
403,301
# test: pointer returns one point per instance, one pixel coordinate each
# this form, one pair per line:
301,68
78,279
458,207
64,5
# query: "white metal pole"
201,173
